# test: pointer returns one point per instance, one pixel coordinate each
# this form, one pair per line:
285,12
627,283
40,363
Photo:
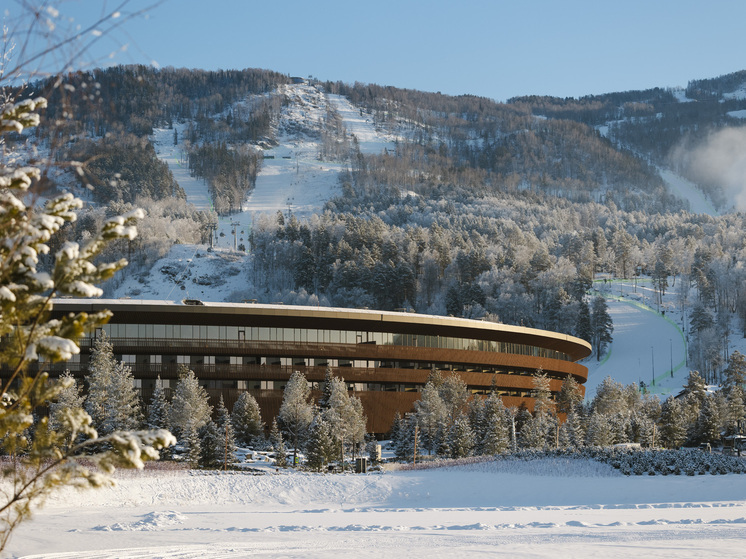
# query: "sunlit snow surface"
556,509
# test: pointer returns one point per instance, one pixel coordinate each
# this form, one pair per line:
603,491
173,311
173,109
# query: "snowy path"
645,345
174,156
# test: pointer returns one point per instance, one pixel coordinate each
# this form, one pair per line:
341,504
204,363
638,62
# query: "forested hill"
506,211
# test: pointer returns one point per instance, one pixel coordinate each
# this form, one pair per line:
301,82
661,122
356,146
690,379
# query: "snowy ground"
538,509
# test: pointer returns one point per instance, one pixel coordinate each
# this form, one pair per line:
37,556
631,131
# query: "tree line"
449,422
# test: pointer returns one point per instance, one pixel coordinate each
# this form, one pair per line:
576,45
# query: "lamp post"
652,357
670,342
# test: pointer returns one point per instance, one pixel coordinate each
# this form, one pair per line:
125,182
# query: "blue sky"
496,49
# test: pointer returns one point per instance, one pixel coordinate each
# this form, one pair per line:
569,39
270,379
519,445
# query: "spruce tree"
709,421
320,443
599,431
113,402
211,446
278,445
344,415
247,420
673,423
601,325
327,390
189,403
570,396
158,414
296,411
735,373
192,444
431,413
158,409
69,401
462,439
495,437
227,436
99,380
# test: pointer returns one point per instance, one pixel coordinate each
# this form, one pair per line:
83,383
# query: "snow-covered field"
548,508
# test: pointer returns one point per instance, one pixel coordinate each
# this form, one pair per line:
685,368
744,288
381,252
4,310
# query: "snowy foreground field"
547,508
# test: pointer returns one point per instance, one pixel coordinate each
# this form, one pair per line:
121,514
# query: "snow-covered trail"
174,156
646,345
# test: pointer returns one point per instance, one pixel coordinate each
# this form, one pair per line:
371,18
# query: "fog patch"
718,164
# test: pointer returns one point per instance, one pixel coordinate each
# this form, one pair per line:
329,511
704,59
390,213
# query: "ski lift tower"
211,228
235,225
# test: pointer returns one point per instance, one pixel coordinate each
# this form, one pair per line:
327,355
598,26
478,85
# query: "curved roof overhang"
287,316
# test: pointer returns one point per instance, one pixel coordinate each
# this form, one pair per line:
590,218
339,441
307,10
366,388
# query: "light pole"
670,342
652,357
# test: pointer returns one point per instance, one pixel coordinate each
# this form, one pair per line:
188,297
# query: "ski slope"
649,340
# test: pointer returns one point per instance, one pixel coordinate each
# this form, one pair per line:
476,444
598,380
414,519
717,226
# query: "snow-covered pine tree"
192,444
70,401
211,443
371,448
431,413
598,430
396,430
404,446
495,437
113,402
326,392
158,414
296,411
227,435
461,440
573,430
344,415
247,420
735,373
278,445
189,403
158,409
320,443
99,380
672,423
709,422
570,396
734,409
601,325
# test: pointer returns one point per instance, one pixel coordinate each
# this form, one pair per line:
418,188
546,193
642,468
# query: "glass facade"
249,334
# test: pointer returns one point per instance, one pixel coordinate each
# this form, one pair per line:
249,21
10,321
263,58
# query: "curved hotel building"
384,357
